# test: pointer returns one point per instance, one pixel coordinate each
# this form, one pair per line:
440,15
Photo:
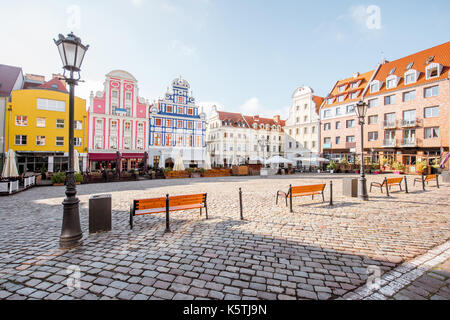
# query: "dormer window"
355,84
375,86
342,88
409,66
433,70
392,81
341,98
411,76
330,100
354,95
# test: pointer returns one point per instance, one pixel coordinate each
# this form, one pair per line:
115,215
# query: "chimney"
276,119
356,75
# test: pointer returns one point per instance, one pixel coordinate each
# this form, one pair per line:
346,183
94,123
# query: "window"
140,144
140,128
179,140
78,125
326,126
40,140
350,139
354,85
77,142
168,139
431,112
327,113
354,95
351,108
98,142
342,88
169,109
127,143
297,131
40,122
305,119
373,103
59,141
391,82
20,140
433,71
158,122
169,123
189,124
373,136
60,123
373,119
338,140
180,124
157,139
114,94
127,127
374,86
51,105
326,140
113,142
338,111
389,100
297,120
313,144
410,77
190,111
338,125
305,130
99,125
340,98
350,123
180,110
431,92
409,96
313,129
128,96
430,133
21,121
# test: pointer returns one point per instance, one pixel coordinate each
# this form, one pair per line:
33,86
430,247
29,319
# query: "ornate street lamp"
361,109
72,53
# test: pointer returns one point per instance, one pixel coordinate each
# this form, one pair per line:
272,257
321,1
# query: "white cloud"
253,107
137,3
182,48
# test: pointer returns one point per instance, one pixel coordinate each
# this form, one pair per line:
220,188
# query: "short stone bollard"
350,187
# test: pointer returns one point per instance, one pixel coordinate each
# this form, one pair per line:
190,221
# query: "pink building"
118,124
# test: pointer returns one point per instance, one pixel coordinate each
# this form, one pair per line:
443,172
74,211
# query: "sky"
244,56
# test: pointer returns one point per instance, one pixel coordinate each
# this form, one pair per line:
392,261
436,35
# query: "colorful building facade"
409,109
37,123
118,124
176,126
340,134
302,130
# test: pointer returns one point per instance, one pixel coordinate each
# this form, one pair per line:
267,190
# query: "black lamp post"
72,52
361,109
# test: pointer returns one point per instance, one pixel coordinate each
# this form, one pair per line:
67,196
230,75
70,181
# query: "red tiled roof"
364,78
54,84
235,117
8,77
440,55
318,101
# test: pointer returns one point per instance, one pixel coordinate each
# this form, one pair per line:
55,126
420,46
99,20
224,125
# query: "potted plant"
398,167
78,178
331,166
375,168
59,178
422,166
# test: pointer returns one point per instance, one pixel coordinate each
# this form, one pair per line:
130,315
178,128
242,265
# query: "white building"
302,130
233,138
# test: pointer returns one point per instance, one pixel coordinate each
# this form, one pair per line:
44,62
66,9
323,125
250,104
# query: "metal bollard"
406,184
167,214
240,203
423,181
437,180
387,187
331,192
290,198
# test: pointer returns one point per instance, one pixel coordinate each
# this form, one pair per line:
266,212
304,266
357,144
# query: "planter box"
176,175
398,172
58,184
217,173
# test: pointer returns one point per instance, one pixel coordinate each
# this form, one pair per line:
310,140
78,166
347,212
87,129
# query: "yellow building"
37,127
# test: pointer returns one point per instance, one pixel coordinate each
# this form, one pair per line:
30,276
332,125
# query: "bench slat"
305,194
149,211
394,180
191,196
185,202
306,189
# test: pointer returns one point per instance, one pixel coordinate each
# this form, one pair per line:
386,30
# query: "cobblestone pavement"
317,252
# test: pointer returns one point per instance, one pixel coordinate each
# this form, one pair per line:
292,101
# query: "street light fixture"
72,52
361,110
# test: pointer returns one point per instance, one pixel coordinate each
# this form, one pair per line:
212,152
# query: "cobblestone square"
317,252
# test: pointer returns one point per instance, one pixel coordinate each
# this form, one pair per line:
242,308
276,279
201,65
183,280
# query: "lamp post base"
71,233
362,189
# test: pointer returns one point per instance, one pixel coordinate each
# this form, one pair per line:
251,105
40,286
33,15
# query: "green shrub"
78,177
422,165
398,166
332,165
190,170
167,170
59,177
201,170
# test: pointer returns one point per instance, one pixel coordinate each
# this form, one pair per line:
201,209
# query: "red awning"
133,155
102,156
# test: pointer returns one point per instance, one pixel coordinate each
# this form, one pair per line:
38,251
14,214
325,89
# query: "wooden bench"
167,204
388,183
301,191
426,179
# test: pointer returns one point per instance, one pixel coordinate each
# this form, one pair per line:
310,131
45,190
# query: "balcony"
409,123
409,142
389,143
350,145
390,124
327,145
